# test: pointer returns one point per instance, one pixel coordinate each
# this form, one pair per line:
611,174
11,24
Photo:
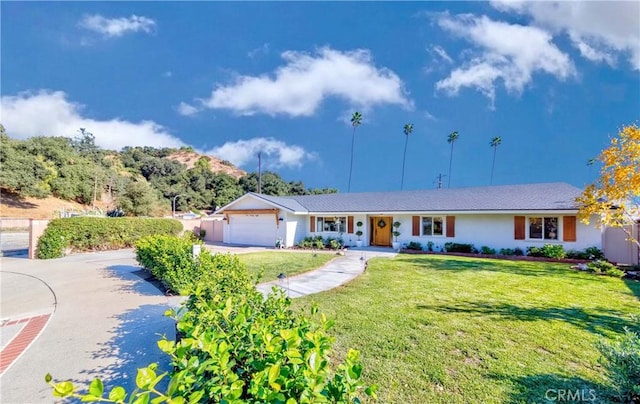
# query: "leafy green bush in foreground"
95,233
236,346
621,359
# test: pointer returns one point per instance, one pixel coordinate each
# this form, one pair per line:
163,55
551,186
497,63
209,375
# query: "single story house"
507,216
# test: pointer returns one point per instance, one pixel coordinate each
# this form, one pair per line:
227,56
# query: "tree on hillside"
615,196
408,128
453,136
138,199
495,142
20,172
356,120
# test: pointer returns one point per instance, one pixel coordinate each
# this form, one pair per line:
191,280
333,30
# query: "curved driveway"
105,319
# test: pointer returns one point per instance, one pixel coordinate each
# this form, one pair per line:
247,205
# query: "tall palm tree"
453,136
495,142
408,128
356,120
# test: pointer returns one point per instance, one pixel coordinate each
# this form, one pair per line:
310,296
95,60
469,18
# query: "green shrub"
458,247
507,251
594,253
487,250
416,246
518,252
621,360
605,267
96,233
555,251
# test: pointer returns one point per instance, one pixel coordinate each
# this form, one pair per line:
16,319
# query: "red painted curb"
21,342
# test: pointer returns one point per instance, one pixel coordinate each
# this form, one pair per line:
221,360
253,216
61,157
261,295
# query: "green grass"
453,329
276,262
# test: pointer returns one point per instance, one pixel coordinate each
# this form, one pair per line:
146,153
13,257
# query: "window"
543,228
334,224
432,226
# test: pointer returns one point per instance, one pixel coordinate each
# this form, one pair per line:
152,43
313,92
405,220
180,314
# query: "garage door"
252,229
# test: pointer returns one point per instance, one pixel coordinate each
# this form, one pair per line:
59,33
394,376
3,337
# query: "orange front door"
381,230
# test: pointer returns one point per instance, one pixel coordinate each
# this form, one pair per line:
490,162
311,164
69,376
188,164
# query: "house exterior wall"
497,231
296,229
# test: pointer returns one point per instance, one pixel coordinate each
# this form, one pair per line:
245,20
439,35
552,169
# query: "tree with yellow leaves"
615,196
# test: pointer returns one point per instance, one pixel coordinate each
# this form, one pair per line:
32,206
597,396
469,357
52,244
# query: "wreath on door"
381,223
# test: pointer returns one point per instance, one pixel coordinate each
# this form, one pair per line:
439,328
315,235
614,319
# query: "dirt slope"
13,207
189,159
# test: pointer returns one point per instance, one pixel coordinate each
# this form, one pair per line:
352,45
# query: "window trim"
342,228
444,226
558,238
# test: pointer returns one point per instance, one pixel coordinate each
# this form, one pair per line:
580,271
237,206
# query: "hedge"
97,233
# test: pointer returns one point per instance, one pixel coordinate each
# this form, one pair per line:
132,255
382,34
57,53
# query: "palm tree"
408,128
495,142
356,120
453,136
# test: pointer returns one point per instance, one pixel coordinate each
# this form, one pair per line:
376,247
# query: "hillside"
12,206
216,165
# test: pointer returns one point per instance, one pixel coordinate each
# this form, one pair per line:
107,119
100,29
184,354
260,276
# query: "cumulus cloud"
50,113
601,30
275,153
502,55
116,27
187,109
299,87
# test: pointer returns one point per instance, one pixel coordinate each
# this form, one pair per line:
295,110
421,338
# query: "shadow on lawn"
547,388
634,286
603,323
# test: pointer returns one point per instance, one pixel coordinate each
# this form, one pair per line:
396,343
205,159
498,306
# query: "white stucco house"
497,216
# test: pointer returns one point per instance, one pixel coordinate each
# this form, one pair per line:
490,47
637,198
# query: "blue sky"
553,80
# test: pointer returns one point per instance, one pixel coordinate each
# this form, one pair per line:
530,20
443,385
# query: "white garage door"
253,229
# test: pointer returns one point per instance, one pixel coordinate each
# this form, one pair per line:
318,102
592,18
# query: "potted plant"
359,233
396,233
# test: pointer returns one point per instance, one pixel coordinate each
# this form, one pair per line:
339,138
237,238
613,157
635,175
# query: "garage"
252,229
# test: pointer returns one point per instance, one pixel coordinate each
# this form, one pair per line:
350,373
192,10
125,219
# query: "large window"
543,228
330,223
432,226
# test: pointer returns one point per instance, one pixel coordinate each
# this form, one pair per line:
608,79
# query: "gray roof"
549,196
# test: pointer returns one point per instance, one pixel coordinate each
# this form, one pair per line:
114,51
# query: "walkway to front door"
380,230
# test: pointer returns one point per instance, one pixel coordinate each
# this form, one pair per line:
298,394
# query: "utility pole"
438,182
259,172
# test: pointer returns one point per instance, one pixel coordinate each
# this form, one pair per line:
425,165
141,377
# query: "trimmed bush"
548,251
98,233
416,246
458,247
487,250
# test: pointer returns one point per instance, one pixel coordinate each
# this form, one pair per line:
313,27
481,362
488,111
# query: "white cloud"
275,153
438,50
301,85
599,29
187,109
259,51
47,113
507,52
115,27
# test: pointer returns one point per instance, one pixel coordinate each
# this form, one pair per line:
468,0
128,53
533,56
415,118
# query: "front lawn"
454,329
276,262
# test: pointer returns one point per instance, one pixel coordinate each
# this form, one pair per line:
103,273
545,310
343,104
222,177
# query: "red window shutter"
569,228
416,225
451,226
350,224
518,225
312,224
